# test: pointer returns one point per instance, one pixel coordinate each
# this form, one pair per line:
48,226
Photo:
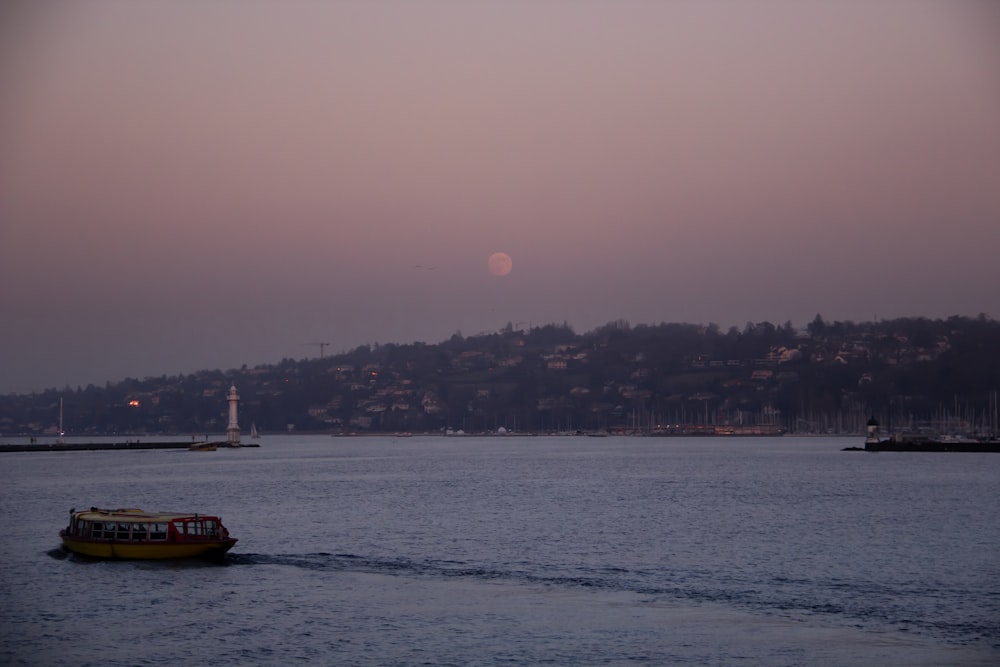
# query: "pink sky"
191,185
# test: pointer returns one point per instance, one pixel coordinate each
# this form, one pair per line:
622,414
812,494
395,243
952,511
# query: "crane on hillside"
322,347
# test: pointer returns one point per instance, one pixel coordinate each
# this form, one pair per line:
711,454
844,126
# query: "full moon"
500,264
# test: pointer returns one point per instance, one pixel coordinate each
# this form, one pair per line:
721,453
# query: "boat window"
212,528
157,531
179,527
195,528
139,531
123,532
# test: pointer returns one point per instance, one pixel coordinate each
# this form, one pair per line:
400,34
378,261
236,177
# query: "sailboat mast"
61,432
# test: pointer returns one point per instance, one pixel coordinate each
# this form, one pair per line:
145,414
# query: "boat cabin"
180,529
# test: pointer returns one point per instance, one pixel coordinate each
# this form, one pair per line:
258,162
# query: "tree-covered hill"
828,377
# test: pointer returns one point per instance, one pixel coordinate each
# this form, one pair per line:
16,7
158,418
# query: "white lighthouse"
873,437
233,430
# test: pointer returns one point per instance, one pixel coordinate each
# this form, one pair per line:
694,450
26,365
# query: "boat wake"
790,598
604,578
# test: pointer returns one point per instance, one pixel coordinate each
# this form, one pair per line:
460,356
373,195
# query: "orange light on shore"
134,403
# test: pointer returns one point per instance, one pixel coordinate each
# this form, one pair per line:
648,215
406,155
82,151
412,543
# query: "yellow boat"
134,534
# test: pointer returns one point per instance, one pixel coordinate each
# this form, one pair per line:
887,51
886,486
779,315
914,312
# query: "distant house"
511,361
432,404
361,421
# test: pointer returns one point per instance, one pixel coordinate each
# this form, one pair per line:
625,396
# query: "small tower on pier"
873,433
233,430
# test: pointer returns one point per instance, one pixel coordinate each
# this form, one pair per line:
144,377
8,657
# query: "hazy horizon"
188,186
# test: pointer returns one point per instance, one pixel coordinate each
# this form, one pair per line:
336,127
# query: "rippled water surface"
508,550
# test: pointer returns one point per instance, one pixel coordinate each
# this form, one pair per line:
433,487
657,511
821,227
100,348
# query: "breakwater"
97,446
904,445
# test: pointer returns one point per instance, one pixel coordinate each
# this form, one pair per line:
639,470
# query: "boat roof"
137,515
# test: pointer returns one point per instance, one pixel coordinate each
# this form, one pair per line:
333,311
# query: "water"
573,550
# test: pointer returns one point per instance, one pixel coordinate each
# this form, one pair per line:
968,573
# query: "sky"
192,185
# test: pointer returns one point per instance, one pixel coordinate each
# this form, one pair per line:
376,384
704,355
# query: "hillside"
830,377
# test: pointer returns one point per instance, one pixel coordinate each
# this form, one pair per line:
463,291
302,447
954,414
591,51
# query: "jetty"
904,444
98,446
60,445
900,442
